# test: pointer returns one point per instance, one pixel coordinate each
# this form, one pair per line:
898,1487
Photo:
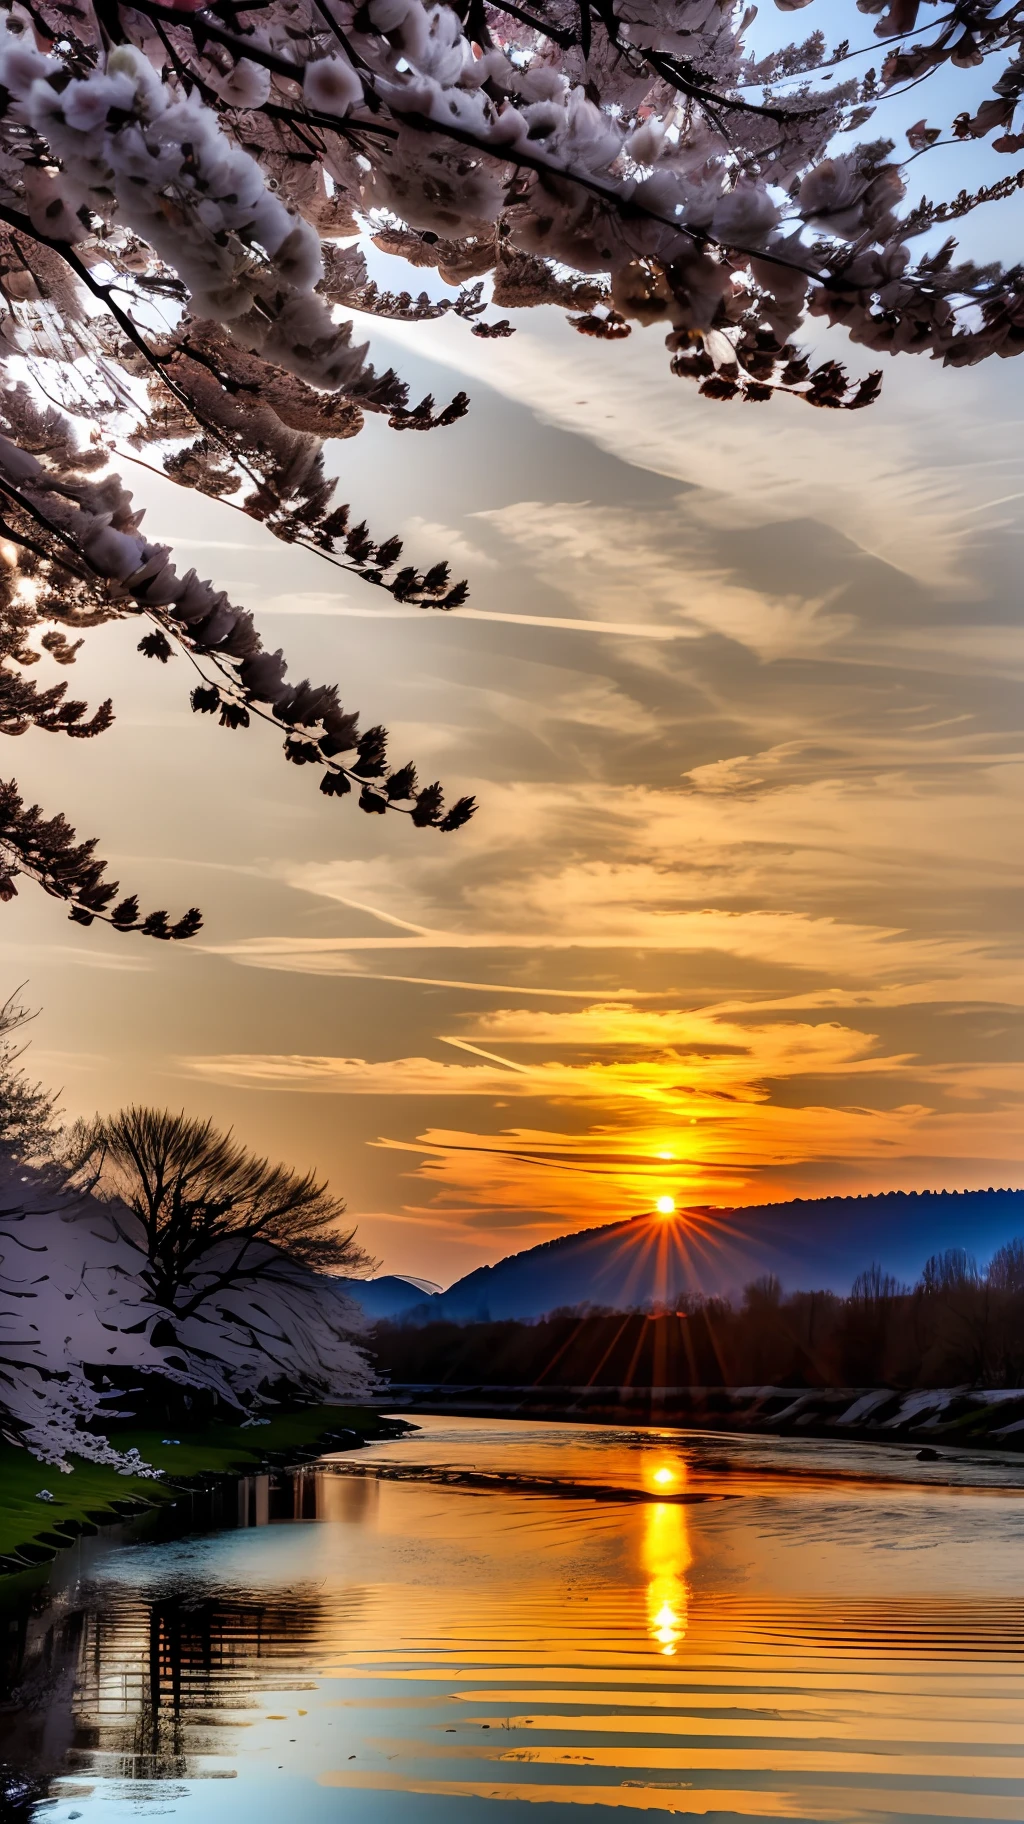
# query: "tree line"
957,1325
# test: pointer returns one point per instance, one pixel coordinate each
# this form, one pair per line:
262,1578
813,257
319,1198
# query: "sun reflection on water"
511,1658
666,1558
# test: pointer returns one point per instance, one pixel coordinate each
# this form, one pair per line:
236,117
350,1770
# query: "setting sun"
665,1206
664,1476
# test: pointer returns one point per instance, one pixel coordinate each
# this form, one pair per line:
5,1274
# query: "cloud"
641,906
893,479
456,547
695,1066
315,603
553,1180
77,956
341,966
348,1076
610,920
609,559
691,1102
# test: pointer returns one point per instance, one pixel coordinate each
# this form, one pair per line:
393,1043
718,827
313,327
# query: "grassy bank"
33,1530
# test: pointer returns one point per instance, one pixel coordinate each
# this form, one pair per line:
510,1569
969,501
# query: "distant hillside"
389,1296
813,1243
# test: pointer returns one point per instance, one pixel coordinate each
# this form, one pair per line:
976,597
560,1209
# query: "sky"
738,919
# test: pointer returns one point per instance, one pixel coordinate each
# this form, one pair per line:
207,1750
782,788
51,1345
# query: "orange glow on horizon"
637,1081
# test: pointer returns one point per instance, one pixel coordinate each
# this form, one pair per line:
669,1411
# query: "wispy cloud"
888,479
514,989
76,956
313,603
585,910
600,556
430,534
689,1063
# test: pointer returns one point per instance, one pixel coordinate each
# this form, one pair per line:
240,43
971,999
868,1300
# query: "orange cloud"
688,1104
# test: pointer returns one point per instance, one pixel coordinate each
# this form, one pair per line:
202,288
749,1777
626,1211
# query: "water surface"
495,1619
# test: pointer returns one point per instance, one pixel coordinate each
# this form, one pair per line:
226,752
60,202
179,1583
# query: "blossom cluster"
183,187
621,143
123,143
77,1315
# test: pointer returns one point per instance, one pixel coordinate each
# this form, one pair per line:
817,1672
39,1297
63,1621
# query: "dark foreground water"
495,1620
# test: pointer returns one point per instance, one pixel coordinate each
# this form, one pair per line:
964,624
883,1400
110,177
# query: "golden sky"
739,917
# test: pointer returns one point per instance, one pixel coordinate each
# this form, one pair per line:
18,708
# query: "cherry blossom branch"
315,730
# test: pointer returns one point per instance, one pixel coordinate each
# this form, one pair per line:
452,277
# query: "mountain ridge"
808,1243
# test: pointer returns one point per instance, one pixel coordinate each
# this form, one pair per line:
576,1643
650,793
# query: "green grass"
91,1495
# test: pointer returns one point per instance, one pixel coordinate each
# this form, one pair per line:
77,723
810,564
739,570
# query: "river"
493,1619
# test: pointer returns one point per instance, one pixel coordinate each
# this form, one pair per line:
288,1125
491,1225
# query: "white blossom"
75,1305
246,86
331,84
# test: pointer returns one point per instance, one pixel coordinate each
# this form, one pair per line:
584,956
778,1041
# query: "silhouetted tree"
868,1323
215,1215
956,1318
764,1294
950,1271
1006,1268
1005,1282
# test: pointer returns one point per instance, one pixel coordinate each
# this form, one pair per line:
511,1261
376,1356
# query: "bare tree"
950,1271
1006,1268
215,1216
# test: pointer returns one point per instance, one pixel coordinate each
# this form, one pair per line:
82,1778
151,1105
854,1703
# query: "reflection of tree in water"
161,1679
40,1649
146,1685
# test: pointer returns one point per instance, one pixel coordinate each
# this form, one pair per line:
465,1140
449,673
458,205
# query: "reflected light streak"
666,1557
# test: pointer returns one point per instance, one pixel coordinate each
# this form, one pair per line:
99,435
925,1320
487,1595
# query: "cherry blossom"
186,192
78,1321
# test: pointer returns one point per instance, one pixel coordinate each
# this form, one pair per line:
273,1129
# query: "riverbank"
34,1528
972,1417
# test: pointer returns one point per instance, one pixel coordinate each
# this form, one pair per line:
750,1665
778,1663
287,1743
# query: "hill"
391,1295
807,1243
